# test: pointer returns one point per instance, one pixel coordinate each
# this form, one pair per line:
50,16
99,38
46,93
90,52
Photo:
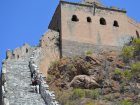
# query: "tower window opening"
137,34
102,21
89,19
116,24
74,18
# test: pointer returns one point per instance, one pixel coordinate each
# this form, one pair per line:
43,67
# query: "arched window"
137,34
26,50
116,24
102,21
74,18
89,19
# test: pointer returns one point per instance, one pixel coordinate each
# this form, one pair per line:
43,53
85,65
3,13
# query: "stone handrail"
48,96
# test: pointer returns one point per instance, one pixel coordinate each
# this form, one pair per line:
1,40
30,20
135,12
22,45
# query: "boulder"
84,82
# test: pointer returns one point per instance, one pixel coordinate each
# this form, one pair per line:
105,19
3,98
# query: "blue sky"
25,21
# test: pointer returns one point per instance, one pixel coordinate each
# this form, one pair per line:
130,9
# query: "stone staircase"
18,83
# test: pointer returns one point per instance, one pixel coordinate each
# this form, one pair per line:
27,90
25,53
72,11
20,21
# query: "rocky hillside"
107,74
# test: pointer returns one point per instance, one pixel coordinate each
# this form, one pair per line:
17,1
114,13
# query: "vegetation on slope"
112,77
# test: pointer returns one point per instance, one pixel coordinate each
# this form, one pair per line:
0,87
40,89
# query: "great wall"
74,28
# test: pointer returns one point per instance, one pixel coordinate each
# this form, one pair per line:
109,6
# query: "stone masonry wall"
79,36
93,32
47,95
133,26
55,23
18,52
74,48
50,50
3,86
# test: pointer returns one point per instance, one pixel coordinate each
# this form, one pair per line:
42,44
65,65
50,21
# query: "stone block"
8,54
113,7
6,101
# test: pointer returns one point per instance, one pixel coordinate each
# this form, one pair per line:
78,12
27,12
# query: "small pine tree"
127,52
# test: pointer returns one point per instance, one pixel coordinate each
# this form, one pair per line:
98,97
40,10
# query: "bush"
135,67
126,74
71,66
89,52
70,103
75,56
127,52
88,65
126,103
123,84
53,63
136,43
63,97
78,93
91,103
48,77
93,94
118,72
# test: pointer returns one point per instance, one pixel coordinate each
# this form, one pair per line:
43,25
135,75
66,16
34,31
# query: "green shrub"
48,77
126,103
118,72
113,50
123,84
88,65
75,56
53,63
127,52
78,93
93,94
89,52
136,43
91,103
71,66
135,68
70,103
138,102
126,74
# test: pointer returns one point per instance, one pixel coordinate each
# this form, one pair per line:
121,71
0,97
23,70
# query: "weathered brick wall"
133,26
55,23
93,32
78,37
50,50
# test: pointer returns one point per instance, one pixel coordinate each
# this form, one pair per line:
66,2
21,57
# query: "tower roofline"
97,6
87,5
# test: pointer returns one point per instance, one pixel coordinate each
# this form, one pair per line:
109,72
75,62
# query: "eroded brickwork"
50,50
94,24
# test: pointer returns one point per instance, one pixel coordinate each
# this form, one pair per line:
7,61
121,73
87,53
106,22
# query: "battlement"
18,52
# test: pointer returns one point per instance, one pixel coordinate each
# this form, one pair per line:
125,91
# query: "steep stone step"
19,91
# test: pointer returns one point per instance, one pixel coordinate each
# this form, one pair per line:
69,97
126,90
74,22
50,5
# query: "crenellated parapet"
18,52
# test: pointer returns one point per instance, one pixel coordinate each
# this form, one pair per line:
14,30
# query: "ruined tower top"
92,2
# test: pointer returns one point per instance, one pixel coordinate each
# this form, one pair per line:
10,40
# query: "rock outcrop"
96,72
